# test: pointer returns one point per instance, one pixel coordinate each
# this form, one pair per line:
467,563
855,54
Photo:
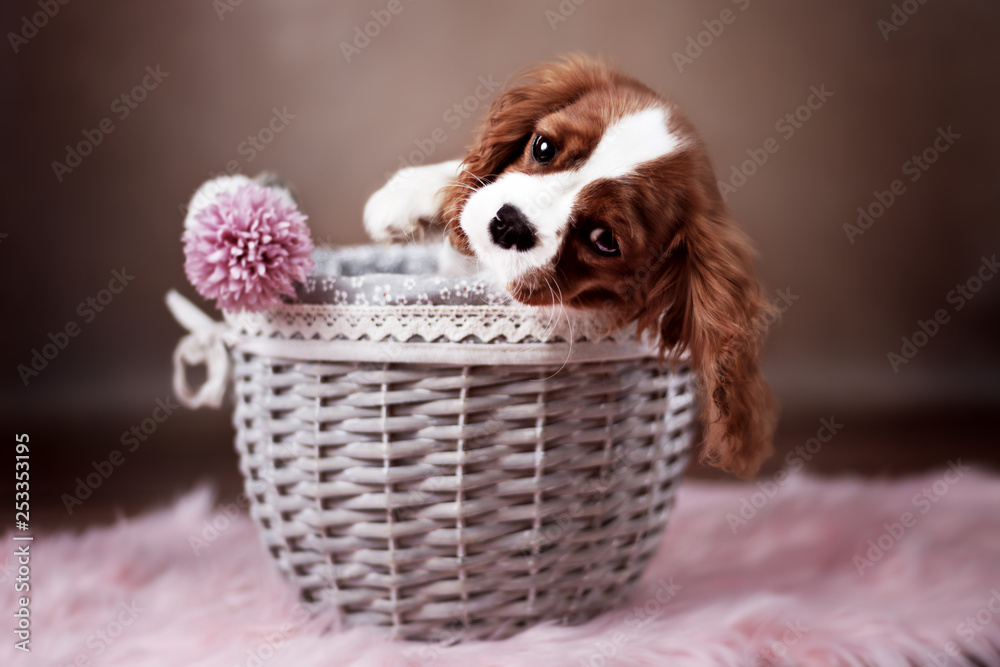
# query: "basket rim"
432,324
447,353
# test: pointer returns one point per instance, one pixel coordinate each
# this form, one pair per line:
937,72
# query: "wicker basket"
454,471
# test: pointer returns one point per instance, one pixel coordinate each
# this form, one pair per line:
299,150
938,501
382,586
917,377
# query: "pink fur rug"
801,572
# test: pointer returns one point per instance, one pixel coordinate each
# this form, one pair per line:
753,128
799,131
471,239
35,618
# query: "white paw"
413,194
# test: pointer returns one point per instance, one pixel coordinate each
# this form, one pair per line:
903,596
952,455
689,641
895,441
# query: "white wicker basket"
455,471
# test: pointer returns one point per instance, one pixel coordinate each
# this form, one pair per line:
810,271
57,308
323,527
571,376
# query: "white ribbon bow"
206,344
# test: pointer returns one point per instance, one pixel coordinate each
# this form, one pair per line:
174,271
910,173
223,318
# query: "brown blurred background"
350,110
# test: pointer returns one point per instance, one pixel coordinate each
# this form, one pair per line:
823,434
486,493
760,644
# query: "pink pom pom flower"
245,244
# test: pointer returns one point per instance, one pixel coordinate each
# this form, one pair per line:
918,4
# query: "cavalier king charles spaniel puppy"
584,183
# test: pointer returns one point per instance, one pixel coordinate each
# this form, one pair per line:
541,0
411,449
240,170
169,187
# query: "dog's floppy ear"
509,124
705,299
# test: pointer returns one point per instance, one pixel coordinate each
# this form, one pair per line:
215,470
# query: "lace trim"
429,324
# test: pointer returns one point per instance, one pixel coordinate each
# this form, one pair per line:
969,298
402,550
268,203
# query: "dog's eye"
604,241
543,149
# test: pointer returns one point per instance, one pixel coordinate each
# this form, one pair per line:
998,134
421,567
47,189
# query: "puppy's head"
585,187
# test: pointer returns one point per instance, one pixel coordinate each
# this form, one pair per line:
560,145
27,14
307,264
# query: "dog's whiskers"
481,181
457,184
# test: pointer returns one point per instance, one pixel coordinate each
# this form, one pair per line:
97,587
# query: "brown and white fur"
584,183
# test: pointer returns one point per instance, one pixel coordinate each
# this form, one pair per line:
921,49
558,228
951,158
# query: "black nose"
510,229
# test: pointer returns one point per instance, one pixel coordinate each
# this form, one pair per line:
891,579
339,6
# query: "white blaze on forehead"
633,140
548,199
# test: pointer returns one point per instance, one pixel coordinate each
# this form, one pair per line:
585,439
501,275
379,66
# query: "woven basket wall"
459,501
